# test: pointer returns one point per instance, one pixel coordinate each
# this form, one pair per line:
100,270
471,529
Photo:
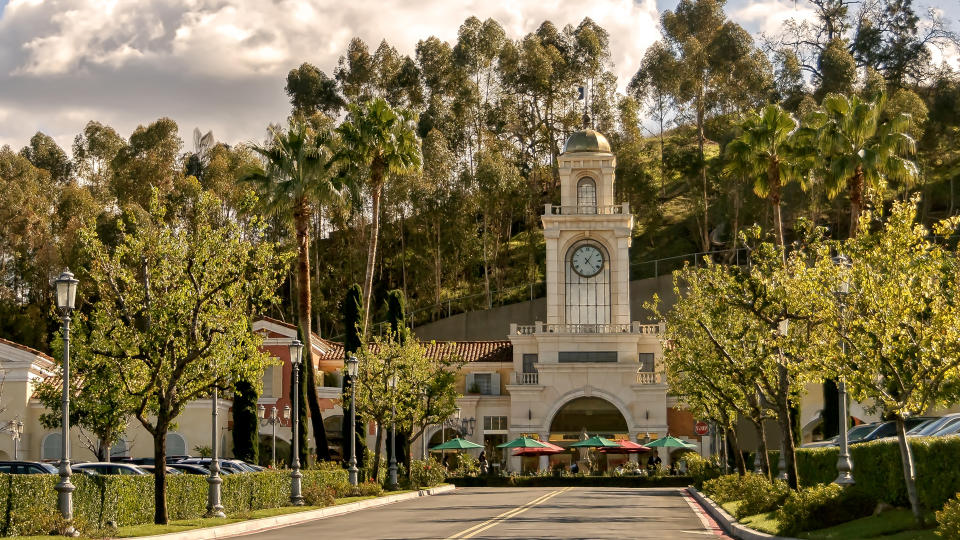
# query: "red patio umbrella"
550,449
625,447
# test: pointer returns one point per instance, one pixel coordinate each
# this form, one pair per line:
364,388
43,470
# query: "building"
23,367
589,367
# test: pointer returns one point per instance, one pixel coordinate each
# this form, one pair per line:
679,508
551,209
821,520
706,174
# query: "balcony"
650,377
557,210
528,378
543,328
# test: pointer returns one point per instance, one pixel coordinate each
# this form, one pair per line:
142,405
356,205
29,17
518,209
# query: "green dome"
586,140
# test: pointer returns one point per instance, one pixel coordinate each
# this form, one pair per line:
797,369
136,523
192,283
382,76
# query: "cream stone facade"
588,363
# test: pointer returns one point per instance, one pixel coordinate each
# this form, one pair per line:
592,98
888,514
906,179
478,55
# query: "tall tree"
381,141
293,181
246,422
899,322
861,151
173,312
351,309
719,70
765,151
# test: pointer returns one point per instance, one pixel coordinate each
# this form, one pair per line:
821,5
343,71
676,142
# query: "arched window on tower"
587,287
586,196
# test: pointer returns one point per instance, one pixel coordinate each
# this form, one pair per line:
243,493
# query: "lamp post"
784,329
214,507
844,463
272,420
352,363
66,295
392,384
15,429
296,477
423,439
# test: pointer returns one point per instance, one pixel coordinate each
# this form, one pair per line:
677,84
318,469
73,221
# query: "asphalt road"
531,513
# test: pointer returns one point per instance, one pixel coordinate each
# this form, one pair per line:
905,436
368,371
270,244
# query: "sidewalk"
265,524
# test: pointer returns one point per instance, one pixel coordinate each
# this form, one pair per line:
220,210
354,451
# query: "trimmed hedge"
878,471
28,502
577,481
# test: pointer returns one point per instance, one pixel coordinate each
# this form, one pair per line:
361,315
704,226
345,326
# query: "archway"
585,417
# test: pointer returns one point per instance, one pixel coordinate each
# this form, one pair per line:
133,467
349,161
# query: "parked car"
254,466
189,468
231,465
889,428
950,428
857,433
150,468
820,444
109,468
26,467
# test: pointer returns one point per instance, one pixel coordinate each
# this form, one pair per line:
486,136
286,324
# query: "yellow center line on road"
480,527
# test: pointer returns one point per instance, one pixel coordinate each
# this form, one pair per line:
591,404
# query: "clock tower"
588,239
588,368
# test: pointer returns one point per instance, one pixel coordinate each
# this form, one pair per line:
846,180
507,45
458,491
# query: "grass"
895,524
149,529
763,522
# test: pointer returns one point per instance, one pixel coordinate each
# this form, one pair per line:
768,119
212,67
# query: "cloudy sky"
221,64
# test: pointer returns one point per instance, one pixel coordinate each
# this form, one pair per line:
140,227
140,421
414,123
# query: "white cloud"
220,64
768,16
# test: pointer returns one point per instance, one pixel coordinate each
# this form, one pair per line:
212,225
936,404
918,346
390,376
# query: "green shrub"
759,495
319,495
465,465
367,489
700,469
821,506
949,519
724,489
426,473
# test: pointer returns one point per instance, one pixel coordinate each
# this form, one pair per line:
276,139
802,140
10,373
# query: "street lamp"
423,438
783,329
392,383
844,463
296,477
66,295
15,429
271,420
352,363
214,507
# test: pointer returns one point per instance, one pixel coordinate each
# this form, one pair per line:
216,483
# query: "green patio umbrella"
523,442
457,444
595,442
669,442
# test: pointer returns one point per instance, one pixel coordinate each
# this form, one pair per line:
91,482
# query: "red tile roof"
294,327
468,351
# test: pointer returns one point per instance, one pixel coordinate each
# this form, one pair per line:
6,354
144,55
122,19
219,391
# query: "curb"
727,522
264,524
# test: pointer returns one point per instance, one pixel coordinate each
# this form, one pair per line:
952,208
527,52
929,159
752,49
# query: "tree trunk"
909,472
486,263
376,178
701,138
160,476
762,454
302,222
773,177
376,453
855,188
737,453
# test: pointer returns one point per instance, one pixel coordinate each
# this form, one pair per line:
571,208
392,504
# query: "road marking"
480,527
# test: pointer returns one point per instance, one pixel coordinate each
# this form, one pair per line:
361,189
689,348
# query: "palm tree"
766,153
383,141
861,152
294,180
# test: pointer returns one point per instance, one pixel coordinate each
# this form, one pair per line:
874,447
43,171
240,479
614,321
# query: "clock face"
587,261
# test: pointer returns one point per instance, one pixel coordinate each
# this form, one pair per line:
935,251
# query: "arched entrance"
578,419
